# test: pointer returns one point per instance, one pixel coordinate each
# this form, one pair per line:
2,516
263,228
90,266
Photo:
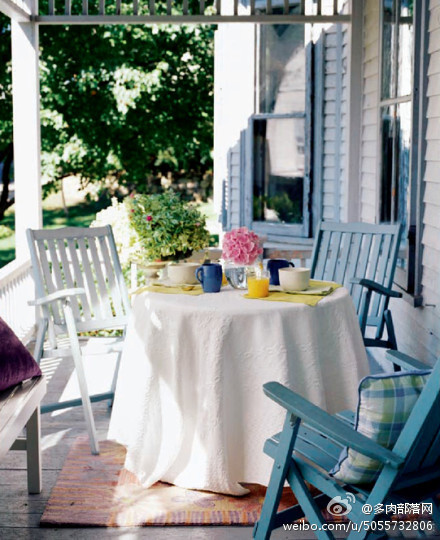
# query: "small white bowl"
151,269
180,273
294,279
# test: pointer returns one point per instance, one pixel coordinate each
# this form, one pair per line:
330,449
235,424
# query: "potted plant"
168,229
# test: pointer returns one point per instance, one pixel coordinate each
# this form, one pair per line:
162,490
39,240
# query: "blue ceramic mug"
210,276
273,266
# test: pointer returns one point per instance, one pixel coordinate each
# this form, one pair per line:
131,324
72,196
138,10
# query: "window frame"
409,279
283,230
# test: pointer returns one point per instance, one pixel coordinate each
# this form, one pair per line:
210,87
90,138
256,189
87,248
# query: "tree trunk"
63,198
5,201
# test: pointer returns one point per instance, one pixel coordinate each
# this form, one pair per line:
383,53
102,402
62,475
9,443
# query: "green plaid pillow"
385,403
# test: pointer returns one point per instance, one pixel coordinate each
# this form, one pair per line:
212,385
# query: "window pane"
279,170
282,69
387,125
405,48
388,46
395,174
403,135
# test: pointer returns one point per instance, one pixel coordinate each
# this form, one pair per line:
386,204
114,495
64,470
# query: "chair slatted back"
81,257
343,251
419,441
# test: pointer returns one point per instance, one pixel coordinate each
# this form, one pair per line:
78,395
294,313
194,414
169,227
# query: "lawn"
79,215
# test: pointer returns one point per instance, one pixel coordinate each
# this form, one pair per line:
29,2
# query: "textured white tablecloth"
189,403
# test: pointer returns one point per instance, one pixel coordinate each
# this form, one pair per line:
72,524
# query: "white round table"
189,404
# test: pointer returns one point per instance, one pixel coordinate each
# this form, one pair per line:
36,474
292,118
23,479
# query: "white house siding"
417,329
234,73
234,103
369,148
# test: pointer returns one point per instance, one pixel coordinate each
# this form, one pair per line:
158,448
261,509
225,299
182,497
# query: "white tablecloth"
189,403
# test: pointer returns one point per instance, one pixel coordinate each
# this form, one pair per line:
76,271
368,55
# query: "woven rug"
97,491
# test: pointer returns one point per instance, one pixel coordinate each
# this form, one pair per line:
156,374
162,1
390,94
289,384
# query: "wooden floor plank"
20,513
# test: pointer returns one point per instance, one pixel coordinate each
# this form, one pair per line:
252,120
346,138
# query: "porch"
349,185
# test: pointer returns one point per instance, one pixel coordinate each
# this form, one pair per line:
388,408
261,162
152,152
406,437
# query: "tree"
127,102
130,102
6,148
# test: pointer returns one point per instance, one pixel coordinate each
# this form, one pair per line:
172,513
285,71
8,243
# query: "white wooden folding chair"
80,288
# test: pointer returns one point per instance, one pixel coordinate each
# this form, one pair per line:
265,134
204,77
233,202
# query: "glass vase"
237,274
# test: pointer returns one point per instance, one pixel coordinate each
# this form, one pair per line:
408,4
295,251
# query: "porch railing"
198,11
16,289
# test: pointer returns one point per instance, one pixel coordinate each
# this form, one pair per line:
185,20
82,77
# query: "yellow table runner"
193,290
308,297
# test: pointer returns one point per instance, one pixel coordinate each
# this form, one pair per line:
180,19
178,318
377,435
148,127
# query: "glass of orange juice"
258,285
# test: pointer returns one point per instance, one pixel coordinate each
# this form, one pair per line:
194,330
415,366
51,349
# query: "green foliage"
130,102
126,238
168,228
5,231
286,209
5,83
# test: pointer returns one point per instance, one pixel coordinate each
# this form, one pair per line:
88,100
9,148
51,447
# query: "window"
399,122
280,155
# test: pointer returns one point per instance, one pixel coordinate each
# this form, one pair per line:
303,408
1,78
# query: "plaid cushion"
385,403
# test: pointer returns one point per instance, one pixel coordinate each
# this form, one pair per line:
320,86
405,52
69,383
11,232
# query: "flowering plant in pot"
241,249
168,229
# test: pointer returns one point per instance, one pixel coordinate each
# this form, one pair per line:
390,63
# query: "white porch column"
26,122
356,33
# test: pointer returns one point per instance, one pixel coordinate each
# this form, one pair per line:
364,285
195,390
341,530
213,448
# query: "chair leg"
79,367
115,380
264,525
390,329
39,342
33,452
308,504
391,334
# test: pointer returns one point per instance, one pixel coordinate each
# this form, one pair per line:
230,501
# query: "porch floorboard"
20,513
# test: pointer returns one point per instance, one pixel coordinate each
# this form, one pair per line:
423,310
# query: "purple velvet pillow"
16,362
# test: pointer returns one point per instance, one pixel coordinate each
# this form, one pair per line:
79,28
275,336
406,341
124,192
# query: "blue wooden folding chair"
362,257
309,447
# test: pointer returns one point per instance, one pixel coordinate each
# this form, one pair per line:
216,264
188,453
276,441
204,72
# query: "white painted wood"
15,9
368,150
434,41
79,368
86,258
16,286
432,171
234,104
33,452
19,407
433,108
258,18
26,124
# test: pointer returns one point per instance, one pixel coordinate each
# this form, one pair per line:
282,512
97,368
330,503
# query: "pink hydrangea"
241,246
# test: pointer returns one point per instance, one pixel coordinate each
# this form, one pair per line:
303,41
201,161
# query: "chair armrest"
58,295
376,287
405,361
330,425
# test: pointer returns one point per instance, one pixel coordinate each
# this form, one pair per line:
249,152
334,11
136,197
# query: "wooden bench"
20,408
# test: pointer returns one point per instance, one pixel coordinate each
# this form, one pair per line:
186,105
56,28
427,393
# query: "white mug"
294,279
183,273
